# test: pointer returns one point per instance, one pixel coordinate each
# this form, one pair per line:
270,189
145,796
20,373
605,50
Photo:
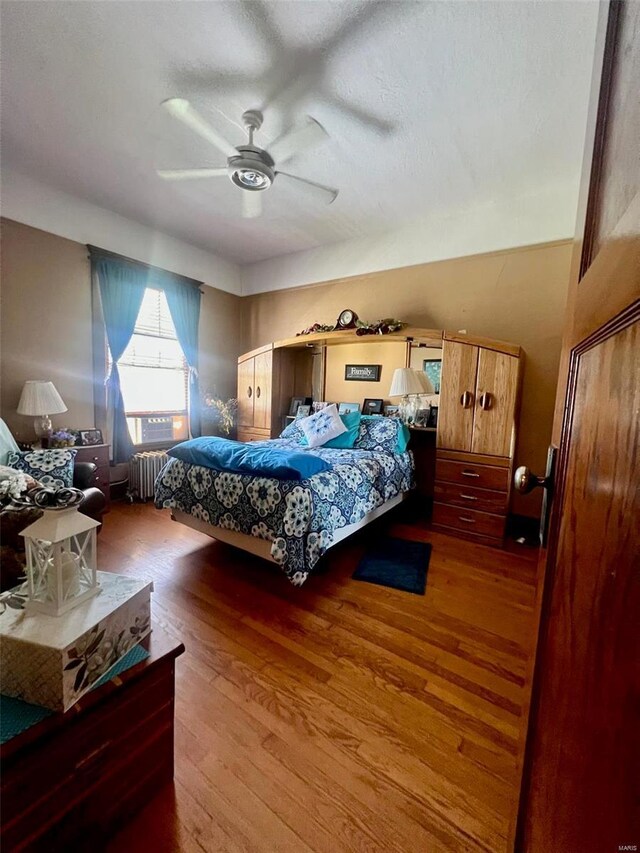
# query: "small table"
73,779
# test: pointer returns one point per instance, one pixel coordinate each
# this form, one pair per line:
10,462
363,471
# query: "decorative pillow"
380,433
52,467
323,426
348,438
293,431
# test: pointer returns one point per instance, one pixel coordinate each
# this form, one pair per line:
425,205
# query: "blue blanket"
222,454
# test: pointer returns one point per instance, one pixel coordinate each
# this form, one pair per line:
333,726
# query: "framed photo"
422,417
433,417
318,405
347,408
392,411
90,436
293,407
433,368
303,411
372,406
362,372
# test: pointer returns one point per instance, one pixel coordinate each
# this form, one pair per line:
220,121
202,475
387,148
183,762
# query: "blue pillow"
53,468
256,458
380,433
347,439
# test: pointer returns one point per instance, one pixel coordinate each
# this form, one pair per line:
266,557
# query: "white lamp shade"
40,398
427,387
405,381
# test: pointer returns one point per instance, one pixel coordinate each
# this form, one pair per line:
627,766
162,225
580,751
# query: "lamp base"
42,426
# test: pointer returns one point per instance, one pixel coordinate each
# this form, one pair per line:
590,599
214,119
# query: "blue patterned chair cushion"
380,433
323,426
52,467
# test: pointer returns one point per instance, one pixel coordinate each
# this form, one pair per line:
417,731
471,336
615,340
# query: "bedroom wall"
517,295
45,326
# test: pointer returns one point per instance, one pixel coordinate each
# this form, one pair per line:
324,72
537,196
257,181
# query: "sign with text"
362,372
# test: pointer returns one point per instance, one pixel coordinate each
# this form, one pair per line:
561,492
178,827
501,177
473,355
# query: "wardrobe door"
457,395
245,392
495,404
262,390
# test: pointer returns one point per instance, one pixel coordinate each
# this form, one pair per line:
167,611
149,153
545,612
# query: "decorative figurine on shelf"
348,319
61,552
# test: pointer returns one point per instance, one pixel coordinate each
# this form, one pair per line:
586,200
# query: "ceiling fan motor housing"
252,169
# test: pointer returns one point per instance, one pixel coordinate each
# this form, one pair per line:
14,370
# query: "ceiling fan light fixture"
250,179
251,171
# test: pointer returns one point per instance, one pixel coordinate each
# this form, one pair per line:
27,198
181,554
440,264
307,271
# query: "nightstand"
98,454
423,445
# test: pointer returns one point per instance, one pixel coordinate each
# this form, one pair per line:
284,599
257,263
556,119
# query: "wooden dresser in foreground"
479,400
73,779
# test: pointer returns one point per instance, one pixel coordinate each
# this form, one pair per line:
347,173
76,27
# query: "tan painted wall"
45,326
388,354
516,296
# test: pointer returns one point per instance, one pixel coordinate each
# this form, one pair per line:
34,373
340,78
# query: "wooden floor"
340,716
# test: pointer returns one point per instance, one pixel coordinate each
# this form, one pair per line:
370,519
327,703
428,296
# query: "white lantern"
61,560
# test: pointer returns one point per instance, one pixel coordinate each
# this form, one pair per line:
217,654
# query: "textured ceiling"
431,107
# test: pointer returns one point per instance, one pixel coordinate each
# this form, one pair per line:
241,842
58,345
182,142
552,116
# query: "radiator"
144,467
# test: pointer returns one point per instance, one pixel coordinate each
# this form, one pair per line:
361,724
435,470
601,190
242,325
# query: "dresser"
98,454
479,399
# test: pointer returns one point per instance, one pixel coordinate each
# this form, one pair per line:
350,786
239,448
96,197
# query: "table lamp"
405,382
40,399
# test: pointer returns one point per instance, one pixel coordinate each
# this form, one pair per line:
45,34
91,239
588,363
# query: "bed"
294,522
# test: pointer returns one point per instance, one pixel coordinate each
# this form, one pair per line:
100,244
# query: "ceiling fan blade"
328,194
251,204
296,140
188,174
182,110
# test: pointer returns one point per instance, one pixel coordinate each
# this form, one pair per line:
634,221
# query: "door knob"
525,481
485,401
466,400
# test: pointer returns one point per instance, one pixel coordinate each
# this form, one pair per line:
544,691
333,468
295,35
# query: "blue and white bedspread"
298,518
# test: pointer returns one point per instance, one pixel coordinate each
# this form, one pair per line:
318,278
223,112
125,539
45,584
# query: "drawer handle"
258,392
466,400
469,474
468,497
95,458
467,519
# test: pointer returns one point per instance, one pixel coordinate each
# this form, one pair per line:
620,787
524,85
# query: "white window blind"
153,370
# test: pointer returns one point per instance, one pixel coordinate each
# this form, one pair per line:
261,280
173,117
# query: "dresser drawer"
469,497
468,474
253,434
469,520
98,454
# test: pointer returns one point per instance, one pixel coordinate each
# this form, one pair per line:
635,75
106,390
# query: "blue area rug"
397,563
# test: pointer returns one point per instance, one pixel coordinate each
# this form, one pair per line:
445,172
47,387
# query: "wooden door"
457,395
581,783
495,403
245,392
262,388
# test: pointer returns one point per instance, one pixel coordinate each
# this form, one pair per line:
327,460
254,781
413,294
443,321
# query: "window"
154,376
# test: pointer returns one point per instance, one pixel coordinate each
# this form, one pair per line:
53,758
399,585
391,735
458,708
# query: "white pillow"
323,426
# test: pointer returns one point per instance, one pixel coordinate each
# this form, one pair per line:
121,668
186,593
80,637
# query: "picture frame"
347,408
89,437
392,411
304,411
293,406
362,372
433,417
422,418
372,406
433,368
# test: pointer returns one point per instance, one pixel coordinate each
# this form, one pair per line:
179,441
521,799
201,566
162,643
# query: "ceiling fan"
250,168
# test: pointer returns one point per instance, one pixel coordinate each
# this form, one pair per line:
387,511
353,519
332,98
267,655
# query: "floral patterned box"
53,660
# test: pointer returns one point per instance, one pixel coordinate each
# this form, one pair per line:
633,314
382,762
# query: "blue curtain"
184,305
122,286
